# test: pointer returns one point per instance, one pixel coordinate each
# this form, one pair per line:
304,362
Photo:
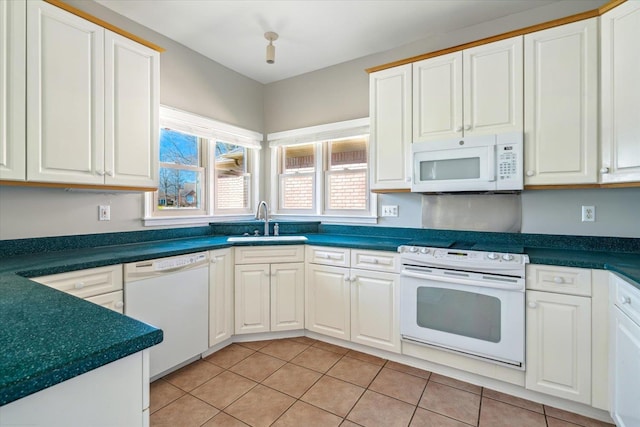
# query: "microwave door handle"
493,159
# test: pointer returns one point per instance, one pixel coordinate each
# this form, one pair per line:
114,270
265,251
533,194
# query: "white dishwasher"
173,295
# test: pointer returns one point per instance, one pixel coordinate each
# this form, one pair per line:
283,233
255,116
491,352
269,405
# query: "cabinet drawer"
563,280
328,256
86,283
113,301
375,260
625,297
269,254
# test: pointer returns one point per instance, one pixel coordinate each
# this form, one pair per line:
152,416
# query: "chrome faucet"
265,216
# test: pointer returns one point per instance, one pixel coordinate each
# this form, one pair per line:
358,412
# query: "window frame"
209,132
320,136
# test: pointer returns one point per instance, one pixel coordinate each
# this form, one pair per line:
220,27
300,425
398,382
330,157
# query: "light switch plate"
104,213
389,210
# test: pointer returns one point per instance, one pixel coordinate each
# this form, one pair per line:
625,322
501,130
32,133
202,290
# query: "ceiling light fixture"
271,49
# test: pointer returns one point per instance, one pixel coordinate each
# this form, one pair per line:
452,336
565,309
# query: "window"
207,169
322,171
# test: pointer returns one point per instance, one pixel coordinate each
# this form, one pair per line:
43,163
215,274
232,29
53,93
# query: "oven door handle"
463,281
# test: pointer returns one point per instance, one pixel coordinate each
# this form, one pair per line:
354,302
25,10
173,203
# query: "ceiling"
314,34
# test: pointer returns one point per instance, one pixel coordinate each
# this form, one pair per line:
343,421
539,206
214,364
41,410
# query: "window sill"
326,219
192,220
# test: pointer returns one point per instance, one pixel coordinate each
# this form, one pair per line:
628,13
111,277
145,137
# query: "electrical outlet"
104,213
588,213
389,210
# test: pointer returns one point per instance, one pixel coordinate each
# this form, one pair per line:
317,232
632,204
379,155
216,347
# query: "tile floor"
303,382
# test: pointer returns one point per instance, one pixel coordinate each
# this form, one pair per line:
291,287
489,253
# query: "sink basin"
267,239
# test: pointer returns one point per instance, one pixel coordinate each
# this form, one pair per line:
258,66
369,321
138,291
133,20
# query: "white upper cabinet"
476,91
131,112
65,97
12,89
390,139
92,103
620,91
561,104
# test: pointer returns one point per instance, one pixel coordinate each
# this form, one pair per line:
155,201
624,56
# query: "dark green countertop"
42,343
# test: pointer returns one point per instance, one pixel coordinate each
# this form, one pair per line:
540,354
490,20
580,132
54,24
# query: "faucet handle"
276,229
256,233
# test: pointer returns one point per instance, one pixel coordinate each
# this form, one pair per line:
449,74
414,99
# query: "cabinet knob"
459,129
214,260
532,304
467,127
79,285
625,300
346,278
408,179
530,173
119,304
559,280
604,170
109,172
100,172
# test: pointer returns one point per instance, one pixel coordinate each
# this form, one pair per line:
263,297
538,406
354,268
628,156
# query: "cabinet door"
131,112
65,97
390,138
220,296
375,319
327,301
624,369
561,110
559,345
287,296
437,98
620,30
493,91
13,27
252,298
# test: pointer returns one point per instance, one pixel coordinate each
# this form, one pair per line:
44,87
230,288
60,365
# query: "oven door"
464,314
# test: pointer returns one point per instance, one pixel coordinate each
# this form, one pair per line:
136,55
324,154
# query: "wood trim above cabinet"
522,31
75,186
104,24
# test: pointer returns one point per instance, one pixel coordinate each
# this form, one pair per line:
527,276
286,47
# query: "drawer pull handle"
532,304
79,285
559,280
625,300
119,304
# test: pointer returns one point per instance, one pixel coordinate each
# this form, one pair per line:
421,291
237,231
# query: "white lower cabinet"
357,304
116,394
269,296
101,285
220,295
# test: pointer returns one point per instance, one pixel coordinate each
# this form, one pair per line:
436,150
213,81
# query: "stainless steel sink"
238,239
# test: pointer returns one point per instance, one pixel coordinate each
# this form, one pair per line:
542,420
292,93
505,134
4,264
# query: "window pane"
232,180
299,158
348,153
347,190
296,191
179,189
178,148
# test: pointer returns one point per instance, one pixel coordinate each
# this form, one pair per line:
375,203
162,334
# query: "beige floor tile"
399,385
229,356
303,414
257,367
260,407
193,375
354,371
224,420
333,395
284,349
424,418
375,360
292,379
317,359
185,412
161,393
222,390
574,418
456,383
451,402
304,340
512,400
408,369
376,410
255,345
498,414
554,422
347,423
331,347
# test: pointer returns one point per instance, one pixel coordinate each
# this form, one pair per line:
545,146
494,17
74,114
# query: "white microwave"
478,163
